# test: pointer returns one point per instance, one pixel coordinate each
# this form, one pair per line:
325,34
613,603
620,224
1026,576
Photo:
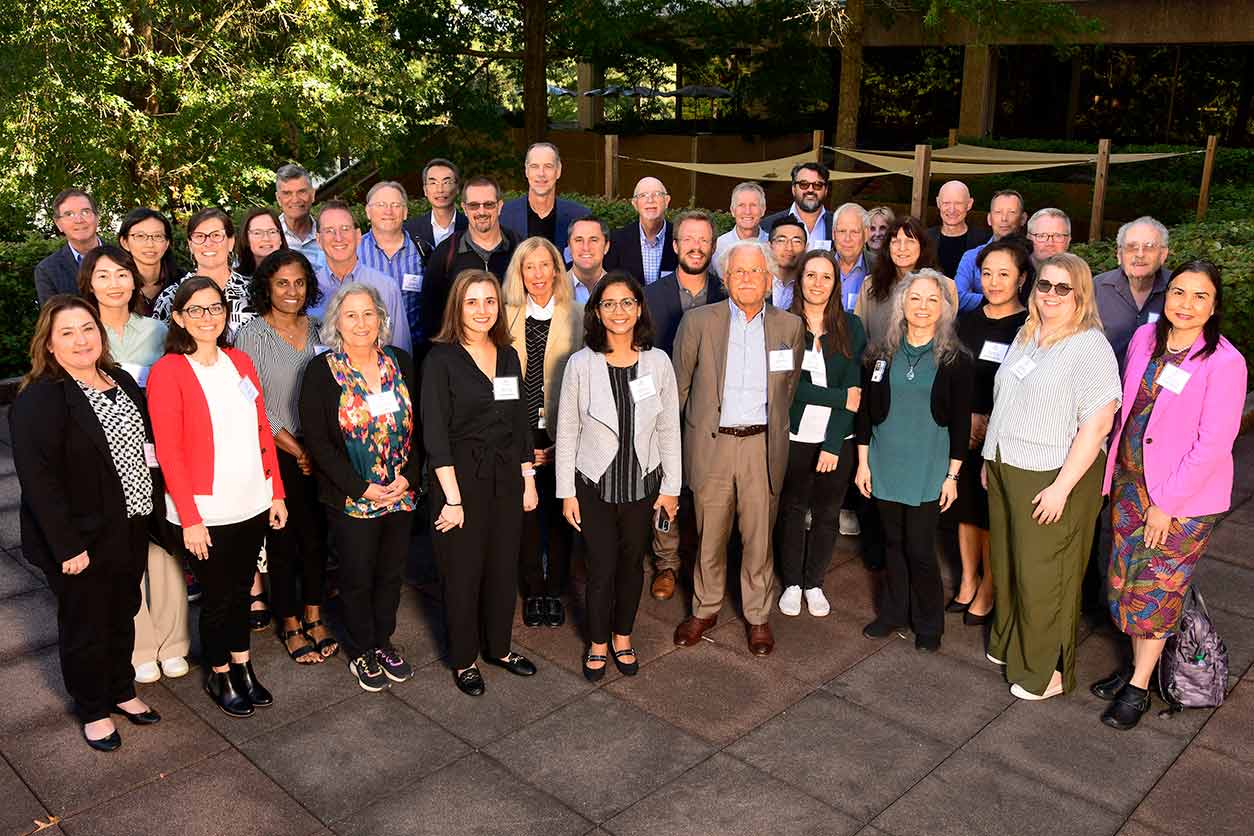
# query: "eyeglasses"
1043,287
1138,249
794,240
198,311
81,213
264,233
610,305
147,238
395,205
754,272
809,185
217,236
649,195
1050,237
475,207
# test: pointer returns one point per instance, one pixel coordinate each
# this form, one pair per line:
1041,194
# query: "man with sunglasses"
809,191
74,213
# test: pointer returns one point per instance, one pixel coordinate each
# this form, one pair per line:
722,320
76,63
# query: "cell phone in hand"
663,522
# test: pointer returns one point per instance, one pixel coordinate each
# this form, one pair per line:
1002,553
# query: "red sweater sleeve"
166,406
269,458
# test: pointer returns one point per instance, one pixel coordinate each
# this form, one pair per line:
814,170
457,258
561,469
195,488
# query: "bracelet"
452,504
531,472
953,476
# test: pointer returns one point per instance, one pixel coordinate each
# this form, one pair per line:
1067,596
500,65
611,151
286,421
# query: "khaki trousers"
162,630
738,485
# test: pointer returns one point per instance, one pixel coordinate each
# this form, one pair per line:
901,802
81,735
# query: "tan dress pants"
162,630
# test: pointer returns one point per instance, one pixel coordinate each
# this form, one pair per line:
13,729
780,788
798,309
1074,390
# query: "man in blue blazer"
74,213
809,191
541,212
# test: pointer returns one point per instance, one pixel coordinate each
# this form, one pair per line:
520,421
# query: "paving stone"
852,588
730,798
939,696
15,577
28,622
1231,542
1229,728
1225,585
1237,632
810,649
343,757
420,628
472,797
1205,791
565,645
224,794
37,677
965,643
841,754
598,754
872,831
969,794
75,777
21,812
10,525
711,691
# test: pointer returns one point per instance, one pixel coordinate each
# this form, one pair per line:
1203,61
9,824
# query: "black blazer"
419,229
71,493
951,401
624,251
665,309
58,273
320,423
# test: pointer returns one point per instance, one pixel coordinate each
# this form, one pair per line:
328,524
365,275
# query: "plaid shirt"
651,253
407,261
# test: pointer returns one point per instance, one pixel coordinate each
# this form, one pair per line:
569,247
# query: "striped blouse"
1042,395
280,367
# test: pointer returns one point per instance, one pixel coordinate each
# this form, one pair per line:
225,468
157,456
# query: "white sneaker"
1022,693
790,601
849,524
147,673
174,667
816,602
990,657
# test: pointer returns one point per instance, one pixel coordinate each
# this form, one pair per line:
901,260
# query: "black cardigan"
71,492
320,424
951,401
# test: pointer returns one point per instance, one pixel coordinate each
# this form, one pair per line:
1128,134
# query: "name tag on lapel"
505,388
781,360
1173,379
247,389
642,387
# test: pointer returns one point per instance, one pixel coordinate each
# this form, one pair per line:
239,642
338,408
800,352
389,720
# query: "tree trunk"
849,96
535,93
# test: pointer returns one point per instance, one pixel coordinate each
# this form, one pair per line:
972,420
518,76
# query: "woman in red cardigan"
222,480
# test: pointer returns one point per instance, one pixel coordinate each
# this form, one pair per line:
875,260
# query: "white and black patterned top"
124,430
537,335
236,292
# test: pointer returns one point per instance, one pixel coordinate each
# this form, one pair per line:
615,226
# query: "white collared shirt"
439,233
538,313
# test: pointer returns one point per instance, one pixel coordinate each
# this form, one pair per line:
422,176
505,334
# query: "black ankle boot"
222,690
246,683
1125,712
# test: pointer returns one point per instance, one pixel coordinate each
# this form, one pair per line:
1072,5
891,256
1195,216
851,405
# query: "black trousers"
803,561
544,530
479,561
617,533
372,566
912,592
96,619
296,553
226,577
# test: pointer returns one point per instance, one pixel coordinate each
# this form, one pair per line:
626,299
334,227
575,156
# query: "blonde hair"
1086,317
514,289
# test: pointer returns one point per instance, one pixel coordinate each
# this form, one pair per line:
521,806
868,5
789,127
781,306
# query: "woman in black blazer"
82,446
913,428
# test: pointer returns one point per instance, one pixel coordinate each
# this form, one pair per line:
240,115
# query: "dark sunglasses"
1043,287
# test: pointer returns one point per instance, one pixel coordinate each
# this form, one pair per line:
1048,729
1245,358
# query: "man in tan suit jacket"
737,364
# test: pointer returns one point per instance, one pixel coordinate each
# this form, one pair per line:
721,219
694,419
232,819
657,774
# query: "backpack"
1193,670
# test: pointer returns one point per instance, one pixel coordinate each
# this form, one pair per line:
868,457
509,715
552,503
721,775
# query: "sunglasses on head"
1043,287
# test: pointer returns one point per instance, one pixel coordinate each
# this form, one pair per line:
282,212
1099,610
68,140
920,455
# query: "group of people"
559,391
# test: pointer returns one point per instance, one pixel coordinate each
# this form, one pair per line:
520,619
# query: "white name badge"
1023,368
812,361
819,245
781,360
140,373
851,301
382,403
540,425
1173,378
1151,317
505,388
877,374
150,454
994,352
321,349
247,389
813,425
411,282
642,387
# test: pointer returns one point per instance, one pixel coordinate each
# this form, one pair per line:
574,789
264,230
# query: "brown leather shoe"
663,585
691,629
761,641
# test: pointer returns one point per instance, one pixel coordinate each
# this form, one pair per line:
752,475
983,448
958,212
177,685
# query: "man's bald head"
650,199
954,202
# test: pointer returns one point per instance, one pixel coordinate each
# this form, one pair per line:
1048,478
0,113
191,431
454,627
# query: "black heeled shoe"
955,605
972,620
626,668
246,683
143,718
222,691
594,674
1128,708
104,744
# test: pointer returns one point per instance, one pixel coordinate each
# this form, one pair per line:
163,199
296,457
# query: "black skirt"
971,507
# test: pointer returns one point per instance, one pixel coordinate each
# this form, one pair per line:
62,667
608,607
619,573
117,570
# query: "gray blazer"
587,422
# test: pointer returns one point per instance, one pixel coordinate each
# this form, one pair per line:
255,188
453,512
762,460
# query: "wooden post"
953,137
1208,168
694,154
921,178
611,166
817,142
1099,190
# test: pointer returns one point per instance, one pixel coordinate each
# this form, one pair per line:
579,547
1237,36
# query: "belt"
743,432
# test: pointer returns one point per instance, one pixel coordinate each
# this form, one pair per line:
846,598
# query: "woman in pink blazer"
1169,474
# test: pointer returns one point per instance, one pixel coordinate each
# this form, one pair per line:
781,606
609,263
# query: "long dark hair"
259,284
170,271
177,340
835,326
42,363
594,329
453,329
245,261
121,258
884,273
1210,331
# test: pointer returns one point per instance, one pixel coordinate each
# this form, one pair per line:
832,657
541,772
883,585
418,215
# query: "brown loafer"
691,629
761,641
663,585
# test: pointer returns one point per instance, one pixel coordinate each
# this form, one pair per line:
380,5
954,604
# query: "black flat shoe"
594,674
626,668
1109,688
222,691
469,682
533,610
515,663
554,612
1128,707
972,620
927,644
246,683
143,718
955,605
104,744
878,630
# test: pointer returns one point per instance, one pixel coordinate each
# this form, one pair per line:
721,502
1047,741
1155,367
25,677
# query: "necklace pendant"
909,374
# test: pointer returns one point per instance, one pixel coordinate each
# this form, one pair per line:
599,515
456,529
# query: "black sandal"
258,619
323,644
303,650
594,674
626,668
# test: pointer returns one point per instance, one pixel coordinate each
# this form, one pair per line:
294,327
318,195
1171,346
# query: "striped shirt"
533,376
236,293
404,266
622,480
1042,395
280,368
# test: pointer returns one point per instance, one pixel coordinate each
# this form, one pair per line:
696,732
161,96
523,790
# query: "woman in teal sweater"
821,454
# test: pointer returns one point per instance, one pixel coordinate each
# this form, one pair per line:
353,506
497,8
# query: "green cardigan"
842,373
